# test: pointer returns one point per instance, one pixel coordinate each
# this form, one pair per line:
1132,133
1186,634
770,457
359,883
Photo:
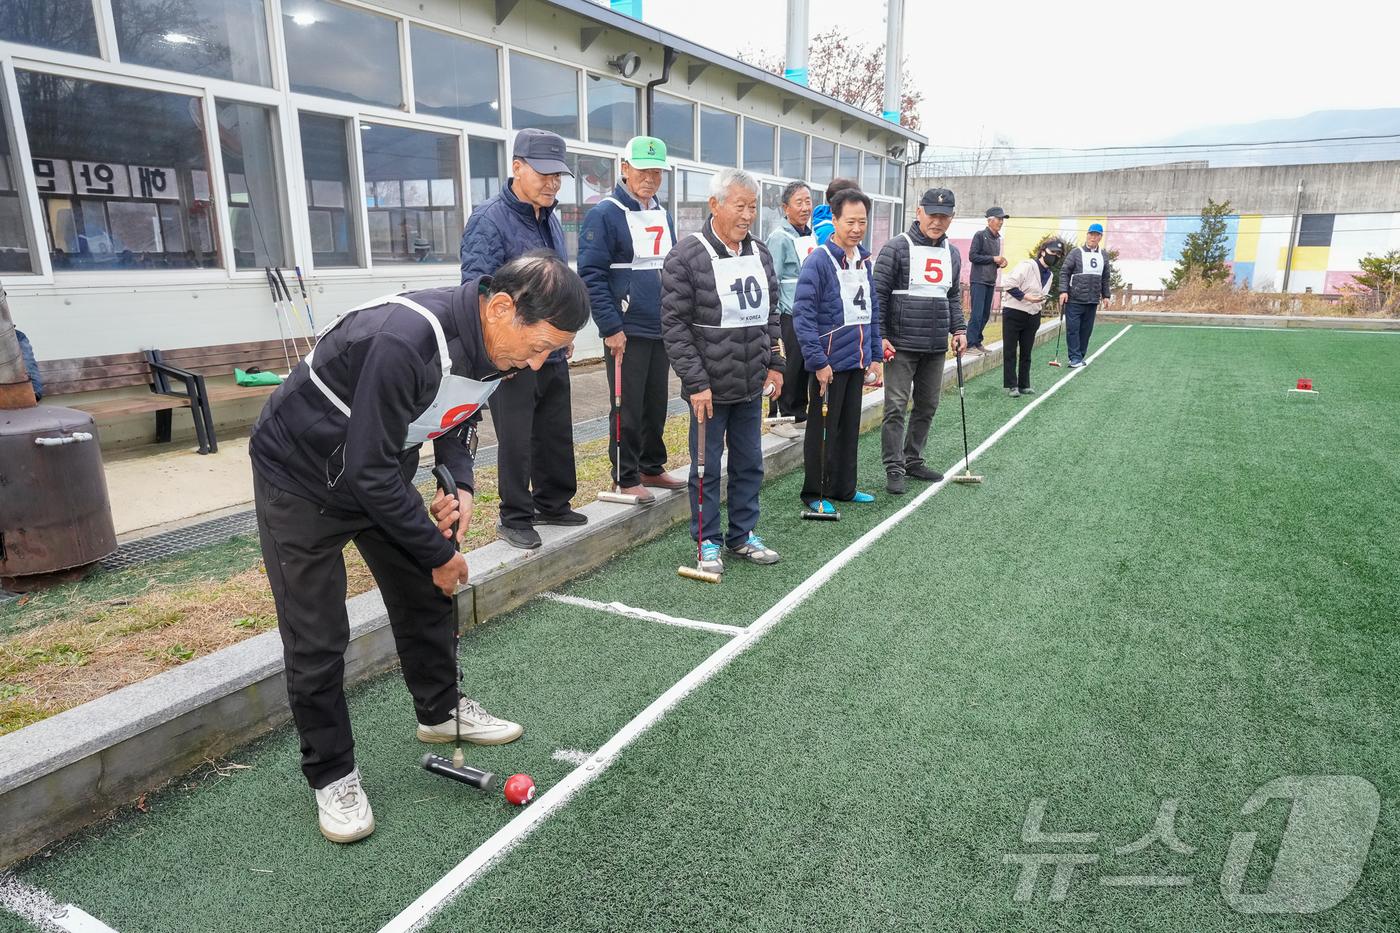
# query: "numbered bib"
1093,262
742,284
855,293
651,238
930,271
806,246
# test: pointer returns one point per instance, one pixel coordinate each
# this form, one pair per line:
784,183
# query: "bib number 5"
750,292
933,270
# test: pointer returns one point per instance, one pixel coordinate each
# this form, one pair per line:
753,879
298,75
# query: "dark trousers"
645,371
535,430
1079,324
909,375
742,424
793,399
303,546
981,312
842,429
1017,339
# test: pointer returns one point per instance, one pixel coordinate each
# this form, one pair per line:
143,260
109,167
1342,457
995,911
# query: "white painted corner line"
39,908
418,914
633,613
572,755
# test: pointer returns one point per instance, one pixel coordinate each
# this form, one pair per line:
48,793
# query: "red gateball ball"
520,789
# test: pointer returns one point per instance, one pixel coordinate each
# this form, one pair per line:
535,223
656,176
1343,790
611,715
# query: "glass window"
870,173
893,179
879,230
823,168
330,191
758,147
594,179
486,162
770,208
543,95
849,166
16,251
792,155
215,38
252,184
344,53
455,77
674,121
719,136
119,193
413,191
692,202
613,109
65,25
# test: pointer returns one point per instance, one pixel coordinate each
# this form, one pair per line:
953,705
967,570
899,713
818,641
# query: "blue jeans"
742,423
981,312
1079,324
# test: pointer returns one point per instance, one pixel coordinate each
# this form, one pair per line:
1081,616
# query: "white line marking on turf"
572,755
647,614
39,908
418,914
1284,330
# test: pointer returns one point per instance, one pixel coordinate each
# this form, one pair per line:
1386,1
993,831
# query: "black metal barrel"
54,510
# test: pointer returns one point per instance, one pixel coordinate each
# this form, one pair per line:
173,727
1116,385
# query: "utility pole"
894,57
1293,237
796,67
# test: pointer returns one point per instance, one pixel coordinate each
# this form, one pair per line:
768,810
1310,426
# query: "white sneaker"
345,812
478,727
783,430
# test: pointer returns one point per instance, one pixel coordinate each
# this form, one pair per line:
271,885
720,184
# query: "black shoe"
527,539
894,484
567,517
924,473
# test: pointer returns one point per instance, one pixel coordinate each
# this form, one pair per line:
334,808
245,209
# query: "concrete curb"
1249,320
62,773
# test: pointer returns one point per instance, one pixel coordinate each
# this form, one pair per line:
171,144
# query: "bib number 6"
933,270
750,292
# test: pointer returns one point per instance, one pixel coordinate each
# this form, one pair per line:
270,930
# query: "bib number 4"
750,292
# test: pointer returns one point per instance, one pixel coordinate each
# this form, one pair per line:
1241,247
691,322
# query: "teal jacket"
782,243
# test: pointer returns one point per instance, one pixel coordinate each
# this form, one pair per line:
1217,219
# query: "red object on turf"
1305,384
520,789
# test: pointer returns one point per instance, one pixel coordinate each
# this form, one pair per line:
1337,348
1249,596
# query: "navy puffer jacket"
502,228
818,314
917,323
605,242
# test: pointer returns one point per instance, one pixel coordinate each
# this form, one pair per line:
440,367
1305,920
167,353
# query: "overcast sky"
1033,71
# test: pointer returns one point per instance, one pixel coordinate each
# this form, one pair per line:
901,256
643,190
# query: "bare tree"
847,71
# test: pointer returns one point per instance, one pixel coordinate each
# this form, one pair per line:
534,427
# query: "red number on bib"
933,271
453,417
656,248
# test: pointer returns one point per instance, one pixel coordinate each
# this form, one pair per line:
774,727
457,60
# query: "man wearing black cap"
986,258
918,289
532,410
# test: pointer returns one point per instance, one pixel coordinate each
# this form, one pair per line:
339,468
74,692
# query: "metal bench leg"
163,426
207,414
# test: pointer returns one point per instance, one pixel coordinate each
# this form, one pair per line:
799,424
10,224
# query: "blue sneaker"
862,497
822,506
709,558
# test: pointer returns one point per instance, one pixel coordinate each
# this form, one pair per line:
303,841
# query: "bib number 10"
933,270
750,292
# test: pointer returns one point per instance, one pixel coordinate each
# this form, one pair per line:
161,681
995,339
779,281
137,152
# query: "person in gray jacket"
719,317
918,288
986,258
1083,287
791,242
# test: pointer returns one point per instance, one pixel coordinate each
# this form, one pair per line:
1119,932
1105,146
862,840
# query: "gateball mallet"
967,476
616,494
457,769
695,573
820,513
1058,335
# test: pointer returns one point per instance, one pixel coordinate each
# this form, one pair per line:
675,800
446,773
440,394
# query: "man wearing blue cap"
1083,287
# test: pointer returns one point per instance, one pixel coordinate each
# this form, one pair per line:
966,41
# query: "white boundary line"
1282,330
619,609
39,908
418,914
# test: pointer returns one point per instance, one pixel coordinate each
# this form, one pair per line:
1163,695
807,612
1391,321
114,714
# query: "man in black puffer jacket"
720,321
918,288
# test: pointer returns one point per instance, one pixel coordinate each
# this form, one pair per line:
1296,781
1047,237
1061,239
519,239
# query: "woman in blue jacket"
838,325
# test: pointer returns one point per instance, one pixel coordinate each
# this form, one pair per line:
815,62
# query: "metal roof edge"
610,18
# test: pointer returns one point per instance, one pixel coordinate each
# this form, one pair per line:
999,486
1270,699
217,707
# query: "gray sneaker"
783,430
1014,393
709,558
755,550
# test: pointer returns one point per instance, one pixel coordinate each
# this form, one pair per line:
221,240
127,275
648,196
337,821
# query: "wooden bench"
221,360
120,371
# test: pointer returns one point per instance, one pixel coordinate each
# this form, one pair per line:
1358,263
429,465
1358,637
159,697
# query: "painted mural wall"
1329,251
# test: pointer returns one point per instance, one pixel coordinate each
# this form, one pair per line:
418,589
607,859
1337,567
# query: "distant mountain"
1320,125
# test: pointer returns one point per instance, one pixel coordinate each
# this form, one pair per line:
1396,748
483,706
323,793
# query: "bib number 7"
933,270
750,292
656,247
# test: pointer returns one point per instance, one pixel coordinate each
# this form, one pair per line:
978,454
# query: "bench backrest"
91,373
220,360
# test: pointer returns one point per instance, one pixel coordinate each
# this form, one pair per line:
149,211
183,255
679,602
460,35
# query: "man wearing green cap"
622,245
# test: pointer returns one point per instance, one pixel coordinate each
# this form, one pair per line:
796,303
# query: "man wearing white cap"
1083,287
622,245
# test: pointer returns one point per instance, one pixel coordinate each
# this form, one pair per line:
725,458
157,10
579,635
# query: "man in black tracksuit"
334,453
986,258
918,288
1084,278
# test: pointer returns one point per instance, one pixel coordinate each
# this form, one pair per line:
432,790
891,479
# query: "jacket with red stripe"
818,314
